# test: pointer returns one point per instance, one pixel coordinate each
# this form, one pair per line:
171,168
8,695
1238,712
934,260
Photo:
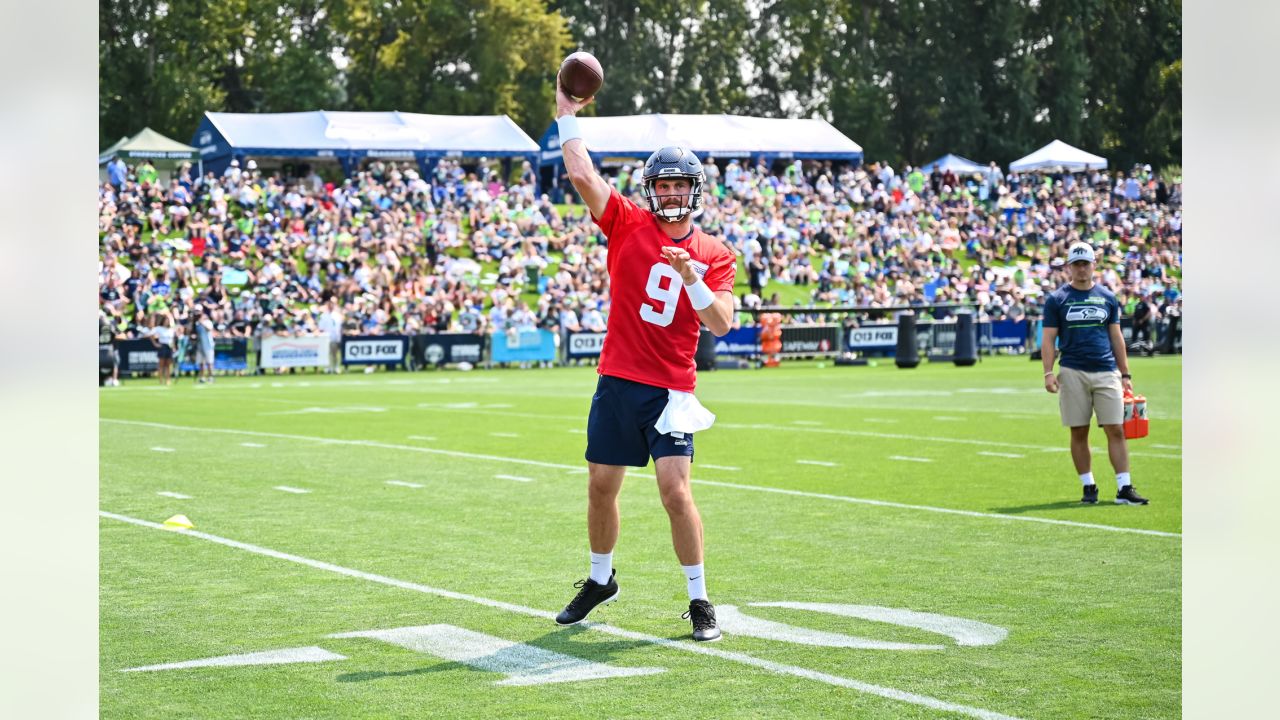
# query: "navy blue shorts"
620,428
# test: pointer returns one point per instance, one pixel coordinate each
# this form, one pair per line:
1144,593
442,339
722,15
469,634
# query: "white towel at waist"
683,414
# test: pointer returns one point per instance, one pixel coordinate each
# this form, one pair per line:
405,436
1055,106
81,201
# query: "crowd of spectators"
255,253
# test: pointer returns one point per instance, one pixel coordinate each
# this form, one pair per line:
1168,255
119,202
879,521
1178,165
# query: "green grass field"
462,562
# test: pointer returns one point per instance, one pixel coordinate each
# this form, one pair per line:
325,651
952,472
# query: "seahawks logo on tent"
1086,313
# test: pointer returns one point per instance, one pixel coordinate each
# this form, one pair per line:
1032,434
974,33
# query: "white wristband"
568,126
700,295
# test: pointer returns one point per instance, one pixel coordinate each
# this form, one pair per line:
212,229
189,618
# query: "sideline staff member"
1085,320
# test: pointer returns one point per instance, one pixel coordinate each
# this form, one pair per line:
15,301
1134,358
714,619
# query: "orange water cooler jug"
771,338
1135,416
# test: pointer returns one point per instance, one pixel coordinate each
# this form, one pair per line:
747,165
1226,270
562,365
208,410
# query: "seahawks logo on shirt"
1086,313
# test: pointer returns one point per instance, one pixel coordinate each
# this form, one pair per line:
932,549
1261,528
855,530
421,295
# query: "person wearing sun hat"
1083,317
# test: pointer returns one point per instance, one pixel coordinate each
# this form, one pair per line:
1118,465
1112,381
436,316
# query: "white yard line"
728,468
820,463
904,458
252,445
517,478
505,434
174,495
988,453
682,645
288,489
401,483
579,470
915,438
930,508
163,449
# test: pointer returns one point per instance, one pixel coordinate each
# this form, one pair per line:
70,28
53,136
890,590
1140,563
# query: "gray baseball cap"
1080,252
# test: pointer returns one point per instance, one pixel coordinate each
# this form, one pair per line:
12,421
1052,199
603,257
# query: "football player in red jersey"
667,278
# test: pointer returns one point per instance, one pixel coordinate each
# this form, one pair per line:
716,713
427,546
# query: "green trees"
908,79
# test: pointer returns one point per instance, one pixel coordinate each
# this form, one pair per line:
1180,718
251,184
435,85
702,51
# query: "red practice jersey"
653,328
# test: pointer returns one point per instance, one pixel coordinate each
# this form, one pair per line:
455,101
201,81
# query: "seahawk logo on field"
1086,313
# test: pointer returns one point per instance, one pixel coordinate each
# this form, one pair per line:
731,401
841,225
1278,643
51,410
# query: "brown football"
581,76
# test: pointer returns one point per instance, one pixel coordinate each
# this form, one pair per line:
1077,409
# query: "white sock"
1086,478
601,567
1122,479
697,581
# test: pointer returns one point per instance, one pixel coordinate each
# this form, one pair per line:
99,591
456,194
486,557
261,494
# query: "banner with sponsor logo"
137,356
1002,334
230,353
449,348
872,338
585,344
374,349
285,352
739,341
882,338
526,346
810,340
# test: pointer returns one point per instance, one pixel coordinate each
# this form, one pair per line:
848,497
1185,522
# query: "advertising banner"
811,340
1003,334
873,338
449,348
137,356
286,352
740,341
230,353
527,346
374,349
585,344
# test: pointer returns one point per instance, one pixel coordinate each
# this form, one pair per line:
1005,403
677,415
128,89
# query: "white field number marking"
522,664
669,296
270,657
967,633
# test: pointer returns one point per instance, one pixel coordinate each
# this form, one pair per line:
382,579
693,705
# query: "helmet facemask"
691,201
673,163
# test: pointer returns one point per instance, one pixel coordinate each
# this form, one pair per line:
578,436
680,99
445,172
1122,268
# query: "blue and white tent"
720,136
351,136
954,163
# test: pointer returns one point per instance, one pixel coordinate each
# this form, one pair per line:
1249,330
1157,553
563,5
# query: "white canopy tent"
954,163
719,136
1058,156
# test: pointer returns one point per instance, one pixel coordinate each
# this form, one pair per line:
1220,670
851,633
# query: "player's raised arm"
582,172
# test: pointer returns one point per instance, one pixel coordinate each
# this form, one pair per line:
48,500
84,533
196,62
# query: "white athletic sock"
601,567
1122,479
1086,478
697,581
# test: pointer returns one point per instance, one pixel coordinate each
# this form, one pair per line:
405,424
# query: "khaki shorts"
1081,394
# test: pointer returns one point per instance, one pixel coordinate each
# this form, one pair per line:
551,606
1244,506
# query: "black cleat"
591,594
1129,496
703,616
1090,494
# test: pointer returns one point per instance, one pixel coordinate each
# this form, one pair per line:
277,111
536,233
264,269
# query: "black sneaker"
703,616
1129,496
590,595
1090,494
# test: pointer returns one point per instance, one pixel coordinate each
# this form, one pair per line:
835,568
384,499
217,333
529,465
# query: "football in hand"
581,76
